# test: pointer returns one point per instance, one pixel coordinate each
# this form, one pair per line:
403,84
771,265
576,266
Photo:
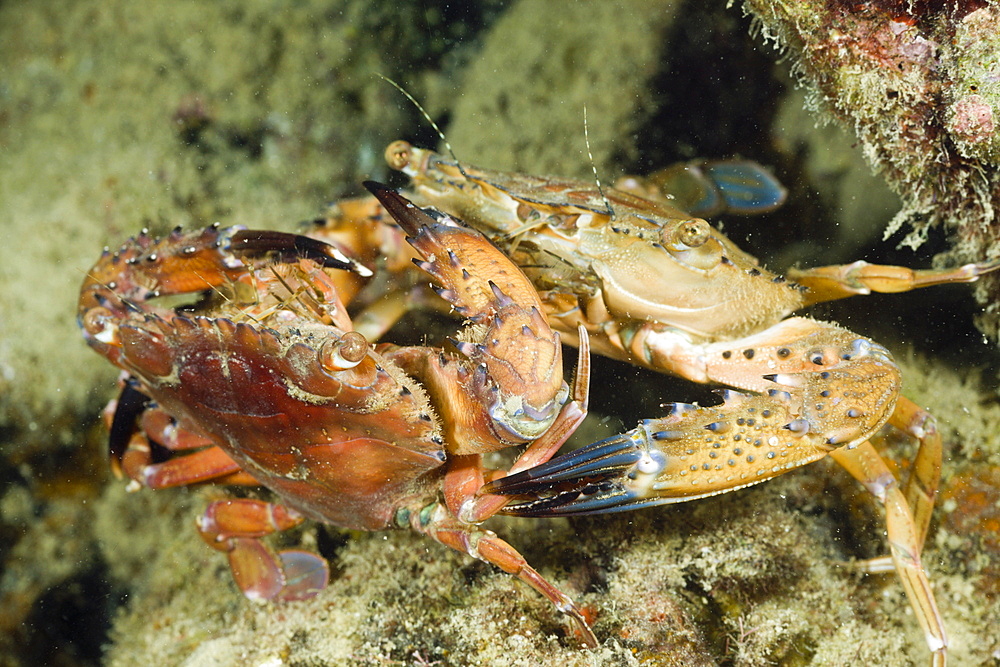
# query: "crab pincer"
515,357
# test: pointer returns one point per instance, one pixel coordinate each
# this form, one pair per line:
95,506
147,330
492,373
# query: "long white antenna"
593,165
430,120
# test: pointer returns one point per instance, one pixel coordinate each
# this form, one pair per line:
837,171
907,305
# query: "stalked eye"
100,324
343,353
397,154
690,233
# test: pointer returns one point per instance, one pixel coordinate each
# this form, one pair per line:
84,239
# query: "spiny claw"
514,358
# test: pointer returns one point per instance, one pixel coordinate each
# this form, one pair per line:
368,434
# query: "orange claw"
517,357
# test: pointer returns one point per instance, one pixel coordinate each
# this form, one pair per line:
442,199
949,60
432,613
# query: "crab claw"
514,358
290,247
590,480
130,405
693,452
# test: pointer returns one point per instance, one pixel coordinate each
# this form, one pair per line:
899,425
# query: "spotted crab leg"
800,345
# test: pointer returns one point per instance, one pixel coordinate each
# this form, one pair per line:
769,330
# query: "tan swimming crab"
263,381
663,289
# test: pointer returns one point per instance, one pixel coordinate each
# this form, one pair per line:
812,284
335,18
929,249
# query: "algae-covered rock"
595,56
917,83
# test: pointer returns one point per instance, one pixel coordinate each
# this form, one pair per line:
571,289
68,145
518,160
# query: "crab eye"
691,233
99,323
343,353
398,154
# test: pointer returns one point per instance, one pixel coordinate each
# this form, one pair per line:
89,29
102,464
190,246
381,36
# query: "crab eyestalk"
343,353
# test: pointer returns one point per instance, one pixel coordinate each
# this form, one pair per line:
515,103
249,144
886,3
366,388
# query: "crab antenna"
593,165
430,120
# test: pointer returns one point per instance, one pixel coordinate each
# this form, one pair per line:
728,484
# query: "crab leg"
798,345
236,526
839,281
121,283
921,486
905,540
135,425
206,465
834,389
486,546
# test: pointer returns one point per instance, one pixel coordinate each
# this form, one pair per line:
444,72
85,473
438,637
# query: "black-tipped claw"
406,214
291,247
600,461
591,480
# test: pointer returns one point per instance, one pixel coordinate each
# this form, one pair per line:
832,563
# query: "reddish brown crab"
265,382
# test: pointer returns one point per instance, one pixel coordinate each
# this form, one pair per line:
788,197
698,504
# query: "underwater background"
116,116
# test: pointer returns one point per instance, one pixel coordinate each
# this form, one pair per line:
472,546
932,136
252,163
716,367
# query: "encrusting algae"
919,83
